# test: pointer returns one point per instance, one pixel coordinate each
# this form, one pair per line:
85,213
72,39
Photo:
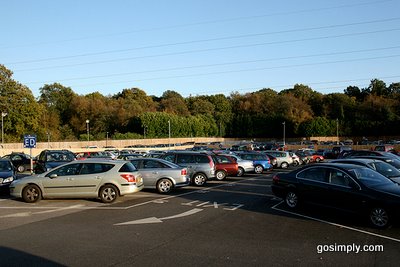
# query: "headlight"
8,180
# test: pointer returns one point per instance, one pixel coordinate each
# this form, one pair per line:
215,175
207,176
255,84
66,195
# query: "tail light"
183,172
129,177
275,179
211,162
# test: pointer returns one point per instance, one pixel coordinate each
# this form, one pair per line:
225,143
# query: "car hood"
6,174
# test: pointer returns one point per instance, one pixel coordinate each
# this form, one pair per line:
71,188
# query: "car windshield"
370,178
5,166
387,169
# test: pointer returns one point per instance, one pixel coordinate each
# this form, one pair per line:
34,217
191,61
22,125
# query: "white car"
91,178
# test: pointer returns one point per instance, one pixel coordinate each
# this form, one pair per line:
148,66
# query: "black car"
7,173
342,186
49,159
380,166
391,160
21,161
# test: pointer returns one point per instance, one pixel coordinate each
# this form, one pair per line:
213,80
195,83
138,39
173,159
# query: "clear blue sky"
200,47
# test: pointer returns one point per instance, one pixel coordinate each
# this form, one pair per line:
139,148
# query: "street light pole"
284,133
337,131
87,130
107,139
3,114
169,134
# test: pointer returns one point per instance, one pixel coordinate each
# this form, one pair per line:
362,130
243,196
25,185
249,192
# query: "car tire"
220,175
317,160
240,172
379,217
292,199
295,163
164,186
258,169
21,168
108,193
31,193
199,179
284,165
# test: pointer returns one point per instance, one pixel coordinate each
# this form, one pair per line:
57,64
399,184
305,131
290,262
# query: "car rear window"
127,167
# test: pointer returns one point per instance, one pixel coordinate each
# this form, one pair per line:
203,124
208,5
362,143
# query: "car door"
151,171
313,185
344,192
60,182
90,177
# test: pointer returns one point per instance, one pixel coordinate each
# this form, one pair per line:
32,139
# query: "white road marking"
60,209
160,220
334,224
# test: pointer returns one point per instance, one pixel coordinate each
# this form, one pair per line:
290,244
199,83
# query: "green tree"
24,114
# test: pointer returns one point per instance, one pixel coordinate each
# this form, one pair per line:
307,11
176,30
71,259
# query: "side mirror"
53,176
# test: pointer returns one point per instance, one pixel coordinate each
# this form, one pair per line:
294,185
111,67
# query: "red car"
225,166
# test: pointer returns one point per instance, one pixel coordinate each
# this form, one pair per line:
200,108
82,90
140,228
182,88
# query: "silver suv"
200,165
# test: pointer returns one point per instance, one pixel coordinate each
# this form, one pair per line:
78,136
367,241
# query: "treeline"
60,114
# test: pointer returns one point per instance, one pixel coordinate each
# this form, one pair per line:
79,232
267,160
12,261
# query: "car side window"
152,164
91,168
70,169
337,177
135,163
201,159
182,159
314,174
170,158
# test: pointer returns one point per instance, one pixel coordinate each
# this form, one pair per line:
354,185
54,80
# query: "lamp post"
48,139
107,139
337,131
169,134
284,133
87,130
3,114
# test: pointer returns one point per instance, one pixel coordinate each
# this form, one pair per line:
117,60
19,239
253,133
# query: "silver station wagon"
103,179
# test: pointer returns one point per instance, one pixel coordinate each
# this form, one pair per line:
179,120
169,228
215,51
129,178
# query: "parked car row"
358,182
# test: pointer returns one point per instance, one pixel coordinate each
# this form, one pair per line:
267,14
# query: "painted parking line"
334,224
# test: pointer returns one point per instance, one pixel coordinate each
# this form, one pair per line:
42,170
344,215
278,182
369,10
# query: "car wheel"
199,179
31,193
240,172
108,193
379,217
284,165
295,163
317,159
220,175
292,199
258,169
21,168
164,186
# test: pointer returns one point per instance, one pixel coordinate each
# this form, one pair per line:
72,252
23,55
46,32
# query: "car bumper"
130,188
183,182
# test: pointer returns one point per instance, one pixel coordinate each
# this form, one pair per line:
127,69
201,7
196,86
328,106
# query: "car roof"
363,160
345,166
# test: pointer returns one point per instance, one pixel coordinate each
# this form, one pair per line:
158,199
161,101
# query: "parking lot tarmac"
237,222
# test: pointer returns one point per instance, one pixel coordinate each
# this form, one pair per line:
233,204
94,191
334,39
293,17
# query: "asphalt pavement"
237,222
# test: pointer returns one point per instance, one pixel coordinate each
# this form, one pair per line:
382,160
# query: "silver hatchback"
161,174
104,179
